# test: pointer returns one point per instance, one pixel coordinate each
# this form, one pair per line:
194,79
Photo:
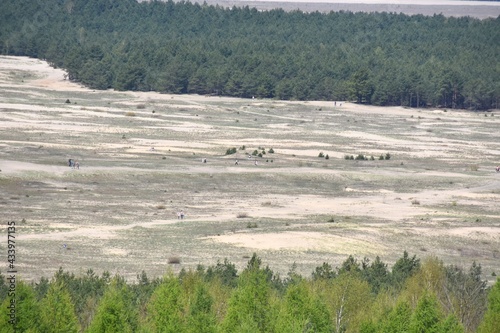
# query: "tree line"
359,296
181,47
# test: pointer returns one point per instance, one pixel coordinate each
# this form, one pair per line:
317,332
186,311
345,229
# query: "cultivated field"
438,194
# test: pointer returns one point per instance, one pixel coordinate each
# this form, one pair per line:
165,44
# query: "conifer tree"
115,312
164,310
426,317
27,311
58,311
491,320
249,304
201,318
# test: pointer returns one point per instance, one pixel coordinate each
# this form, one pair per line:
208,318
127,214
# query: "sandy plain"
438,194
449,8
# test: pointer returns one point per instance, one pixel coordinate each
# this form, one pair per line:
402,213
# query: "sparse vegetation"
252,225
174,260
231,151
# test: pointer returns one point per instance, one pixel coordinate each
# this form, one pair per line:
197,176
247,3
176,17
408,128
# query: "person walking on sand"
182,215
498,168
236,163
77,165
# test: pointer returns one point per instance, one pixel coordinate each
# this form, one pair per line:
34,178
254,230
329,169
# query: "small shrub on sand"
174,260
252,225
130,114
242,215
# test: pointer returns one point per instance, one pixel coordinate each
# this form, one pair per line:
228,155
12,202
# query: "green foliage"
492,316
404,268
466,294
231,151
376,274
356,297
398,320
242,52
249,305
321,154
302,311
350,265
426,317
271,151
115,312
57,311
324,271
225,271
164,309
200,317
27,310
451,325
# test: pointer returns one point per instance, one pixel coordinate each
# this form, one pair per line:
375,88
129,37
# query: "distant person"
70,162
498,168
182,215
77,165
236,163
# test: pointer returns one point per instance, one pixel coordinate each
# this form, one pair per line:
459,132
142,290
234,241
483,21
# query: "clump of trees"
184,47
359,296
